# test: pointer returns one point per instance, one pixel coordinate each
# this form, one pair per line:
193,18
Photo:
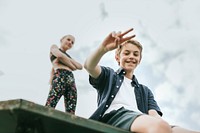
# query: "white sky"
168,30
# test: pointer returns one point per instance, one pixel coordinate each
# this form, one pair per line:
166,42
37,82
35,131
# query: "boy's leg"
178,129
149,124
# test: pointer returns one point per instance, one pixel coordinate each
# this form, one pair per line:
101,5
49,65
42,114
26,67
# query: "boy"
122,101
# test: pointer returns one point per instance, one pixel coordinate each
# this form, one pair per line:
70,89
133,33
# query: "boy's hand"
114,39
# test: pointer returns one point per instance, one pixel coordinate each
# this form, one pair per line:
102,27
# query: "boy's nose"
131,56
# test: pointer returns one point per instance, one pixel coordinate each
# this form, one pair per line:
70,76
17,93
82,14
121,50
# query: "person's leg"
55,93
70,94
178,129
149,124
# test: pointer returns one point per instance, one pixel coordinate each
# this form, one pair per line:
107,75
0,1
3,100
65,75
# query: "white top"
124,98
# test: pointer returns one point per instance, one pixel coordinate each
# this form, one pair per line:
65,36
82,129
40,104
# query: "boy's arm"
154,113
111,42
153,108
91,63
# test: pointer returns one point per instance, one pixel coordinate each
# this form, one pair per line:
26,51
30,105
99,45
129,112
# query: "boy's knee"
160,126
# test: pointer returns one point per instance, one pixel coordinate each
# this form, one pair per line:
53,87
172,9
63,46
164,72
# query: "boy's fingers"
126,32
128,38
118,33
113,34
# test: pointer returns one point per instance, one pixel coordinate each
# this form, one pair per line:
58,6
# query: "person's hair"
134,42
65,36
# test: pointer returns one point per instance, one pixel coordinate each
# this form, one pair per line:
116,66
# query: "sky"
167,29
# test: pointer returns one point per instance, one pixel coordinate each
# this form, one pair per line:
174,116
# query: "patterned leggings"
63,83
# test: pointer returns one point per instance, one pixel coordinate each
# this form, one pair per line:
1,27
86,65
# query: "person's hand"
114,39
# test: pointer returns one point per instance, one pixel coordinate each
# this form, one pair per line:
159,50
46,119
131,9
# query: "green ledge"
22,116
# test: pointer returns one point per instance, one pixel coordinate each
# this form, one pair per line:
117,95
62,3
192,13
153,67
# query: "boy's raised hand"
114,39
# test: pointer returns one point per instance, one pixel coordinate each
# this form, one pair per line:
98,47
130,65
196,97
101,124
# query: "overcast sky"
167,29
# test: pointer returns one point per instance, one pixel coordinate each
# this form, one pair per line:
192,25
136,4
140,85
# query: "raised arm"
63,58
110,43
91,63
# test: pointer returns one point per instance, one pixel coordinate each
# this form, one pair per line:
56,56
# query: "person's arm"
91,63
153,113
110,43
63,58
76,64
153,108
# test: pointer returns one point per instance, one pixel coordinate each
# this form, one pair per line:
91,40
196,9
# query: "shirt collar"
134,82
121,71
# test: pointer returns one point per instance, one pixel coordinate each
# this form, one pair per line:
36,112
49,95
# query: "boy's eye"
136,54
126,53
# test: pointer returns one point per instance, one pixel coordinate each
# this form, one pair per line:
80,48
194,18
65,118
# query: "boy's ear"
117,58
140,60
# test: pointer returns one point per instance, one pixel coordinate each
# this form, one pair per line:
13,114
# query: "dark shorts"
121,118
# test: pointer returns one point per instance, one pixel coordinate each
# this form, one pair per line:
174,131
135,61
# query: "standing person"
62,80
122,101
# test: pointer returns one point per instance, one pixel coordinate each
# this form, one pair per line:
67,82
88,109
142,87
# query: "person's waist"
61,70
118,106
113,107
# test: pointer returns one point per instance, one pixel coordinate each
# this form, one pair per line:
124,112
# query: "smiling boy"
122,101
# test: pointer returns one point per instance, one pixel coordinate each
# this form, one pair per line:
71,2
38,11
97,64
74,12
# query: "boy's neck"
129,75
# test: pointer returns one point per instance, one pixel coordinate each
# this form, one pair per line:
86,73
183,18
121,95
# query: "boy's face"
129,57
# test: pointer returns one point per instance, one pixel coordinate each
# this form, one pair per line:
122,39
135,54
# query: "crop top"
53,57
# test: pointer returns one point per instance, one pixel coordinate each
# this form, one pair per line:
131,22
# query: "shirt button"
106,106
120,80
112,96
117,86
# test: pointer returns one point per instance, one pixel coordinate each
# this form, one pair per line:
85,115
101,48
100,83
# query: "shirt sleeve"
100,82
152,104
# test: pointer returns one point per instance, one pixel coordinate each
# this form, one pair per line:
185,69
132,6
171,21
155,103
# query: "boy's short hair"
134,42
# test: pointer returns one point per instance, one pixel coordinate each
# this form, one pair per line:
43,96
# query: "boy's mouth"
133,62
